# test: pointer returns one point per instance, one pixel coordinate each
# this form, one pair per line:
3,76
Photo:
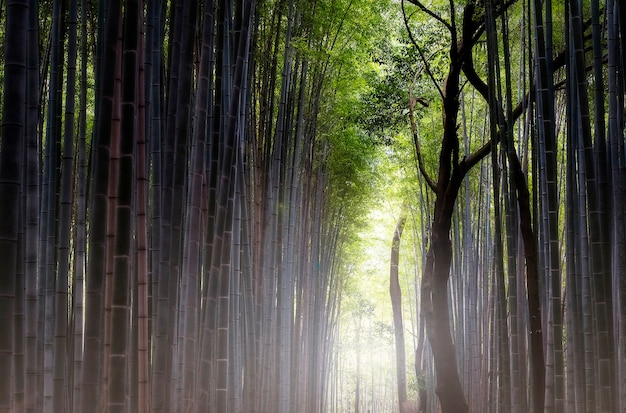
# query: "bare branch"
453,31
471,160
419,50
430,13
418,153
479,84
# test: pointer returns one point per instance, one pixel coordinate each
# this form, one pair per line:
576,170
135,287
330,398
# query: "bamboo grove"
173,205
180,181
520,205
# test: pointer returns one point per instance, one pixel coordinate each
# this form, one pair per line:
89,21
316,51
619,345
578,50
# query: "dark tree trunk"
436,313
396,304
452,170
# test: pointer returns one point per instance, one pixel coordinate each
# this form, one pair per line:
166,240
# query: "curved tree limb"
418,153
419,49
479,84
430,12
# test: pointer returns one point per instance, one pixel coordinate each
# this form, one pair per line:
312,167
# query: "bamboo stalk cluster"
522,295
171,219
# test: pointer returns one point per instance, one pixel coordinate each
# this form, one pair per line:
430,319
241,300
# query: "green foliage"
386,104
347,37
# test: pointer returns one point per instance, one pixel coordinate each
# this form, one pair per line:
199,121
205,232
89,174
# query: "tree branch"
419,50
429,12
472,76
418,153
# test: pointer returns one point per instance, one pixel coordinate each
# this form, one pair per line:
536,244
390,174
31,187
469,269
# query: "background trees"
189,231
216,134
548,51
13,125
